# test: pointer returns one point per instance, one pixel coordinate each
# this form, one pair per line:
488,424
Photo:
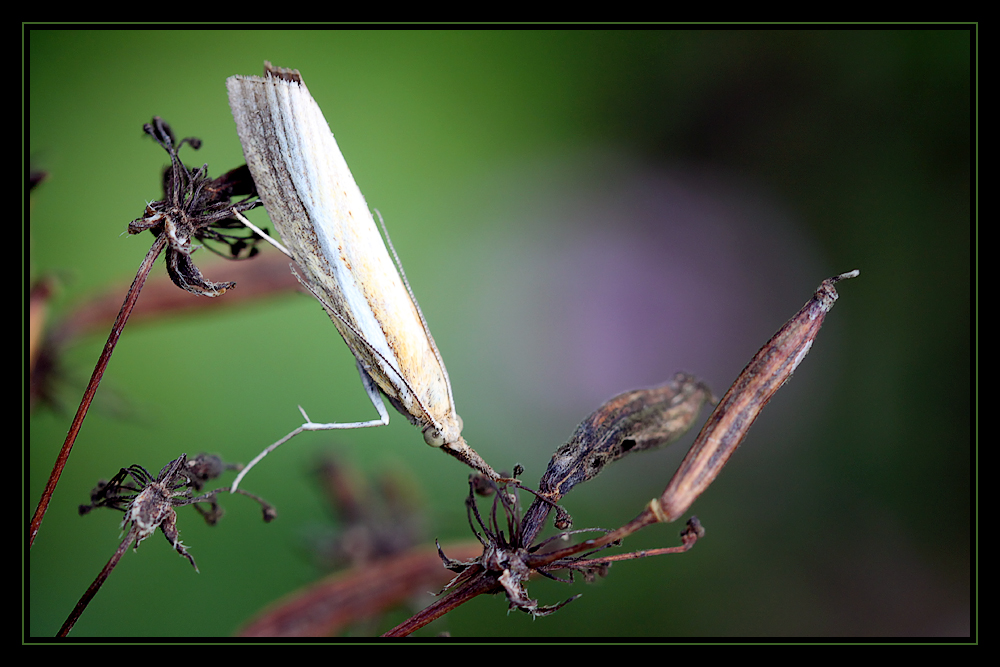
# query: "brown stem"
95,380
645,518
689,536
96,586
478,584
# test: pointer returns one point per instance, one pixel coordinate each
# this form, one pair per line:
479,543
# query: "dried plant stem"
95,381
96,586
479,583
646,517
344,598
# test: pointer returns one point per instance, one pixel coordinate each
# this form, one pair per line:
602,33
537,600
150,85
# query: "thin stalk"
95,380
480,583
646,518
96,586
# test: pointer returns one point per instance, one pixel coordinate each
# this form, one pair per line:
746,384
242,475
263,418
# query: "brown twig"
645,518
479,583
95,380
96,586
365,591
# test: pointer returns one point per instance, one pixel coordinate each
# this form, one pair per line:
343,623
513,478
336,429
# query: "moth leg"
373,393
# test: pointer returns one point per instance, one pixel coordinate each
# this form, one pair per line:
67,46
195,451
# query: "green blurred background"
580,213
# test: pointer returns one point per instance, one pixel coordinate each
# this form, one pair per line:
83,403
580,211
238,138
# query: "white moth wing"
325,223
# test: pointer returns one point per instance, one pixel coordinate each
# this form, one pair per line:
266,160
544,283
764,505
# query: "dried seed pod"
630,422
725,429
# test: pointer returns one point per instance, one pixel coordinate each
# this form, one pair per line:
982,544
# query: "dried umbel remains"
197,207
148,502
194,207
634,421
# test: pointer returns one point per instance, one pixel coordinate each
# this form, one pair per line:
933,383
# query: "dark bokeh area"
579,214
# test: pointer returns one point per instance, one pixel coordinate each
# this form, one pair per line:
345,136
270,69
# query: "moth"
340,257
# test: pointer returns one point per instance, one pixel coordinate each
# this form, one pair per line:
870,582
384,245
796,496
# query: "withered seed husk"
729,423
634,421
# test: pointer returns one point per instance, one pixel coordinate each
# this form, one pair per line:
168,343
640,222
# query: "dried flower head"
195,206
634,421
149,502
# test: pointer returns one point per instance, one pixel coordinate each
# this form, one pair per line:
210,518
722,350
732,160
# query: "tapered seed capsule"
728,424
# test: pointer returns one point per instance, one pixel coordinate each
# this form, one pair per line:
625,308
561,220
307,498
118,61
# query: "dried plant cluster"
149,503
197,207
631,422
194,206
